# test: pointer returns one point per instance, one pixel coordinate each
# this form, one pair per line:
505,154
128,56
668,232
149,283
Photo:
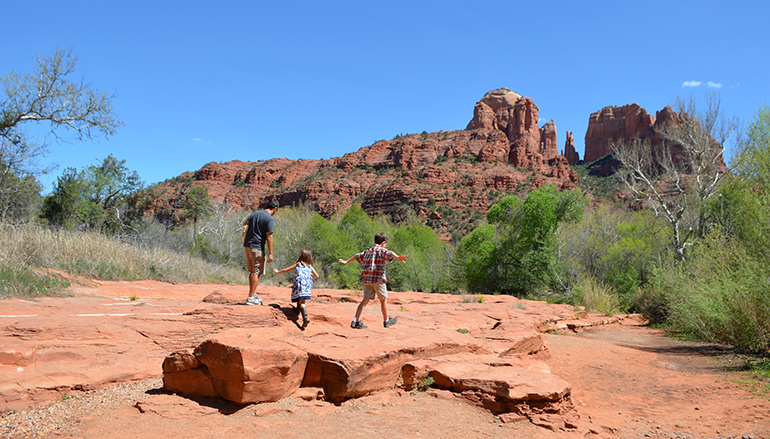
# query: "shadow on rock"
223,406
291,313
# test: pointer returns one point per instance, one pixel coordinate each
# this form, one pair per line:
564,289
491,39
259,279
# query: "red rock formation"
548,145
497,364
517,117
457,170
628,123
569,150
616,123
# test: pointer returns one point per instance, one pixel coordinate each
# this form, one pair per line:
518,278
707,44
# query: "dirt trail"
645,384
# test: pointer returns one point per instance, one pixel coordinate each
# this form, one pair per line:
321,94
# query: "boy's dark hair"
273,203
380,238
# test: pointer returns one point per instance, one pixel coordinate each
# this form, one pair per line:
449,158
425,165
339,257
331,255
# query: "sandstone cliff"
616,123
448,179
626,123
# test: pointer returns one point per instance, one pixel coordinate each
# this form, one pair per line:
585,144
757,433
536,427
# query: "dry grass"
28,247
472,298
596,296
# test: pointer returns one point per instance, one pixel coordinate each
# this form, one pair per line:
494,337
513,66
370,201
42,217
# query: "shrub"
18,280
615,248
595,296
720,295
516,252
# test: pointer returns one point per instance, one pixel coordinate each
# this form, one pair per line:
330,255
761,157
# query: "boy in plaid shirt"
373,262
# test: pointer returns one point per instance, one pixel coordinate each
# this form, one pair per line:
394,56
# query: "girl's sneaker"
358,325
390,322
254,300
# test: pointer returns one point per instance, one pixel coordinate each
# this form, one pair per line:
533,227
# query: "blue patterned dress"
303,285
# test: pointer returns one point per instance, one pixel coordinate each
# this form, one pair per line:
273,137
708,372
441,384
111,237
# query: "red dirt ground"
629,378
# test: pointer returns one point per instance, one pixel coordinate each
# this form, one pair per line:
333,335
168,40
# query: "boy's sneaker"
390,322
358,325
254,300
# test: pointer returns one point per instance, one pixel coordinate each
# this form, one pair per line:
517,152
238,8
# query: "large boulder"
353,370
237,370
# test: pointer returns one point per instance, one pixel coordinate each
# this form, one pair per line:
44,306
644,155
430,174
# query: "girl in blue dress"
303,284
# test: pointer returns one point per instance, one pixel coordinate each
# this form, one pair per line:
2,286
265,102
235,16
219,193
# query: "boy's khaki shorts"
378,290
255,261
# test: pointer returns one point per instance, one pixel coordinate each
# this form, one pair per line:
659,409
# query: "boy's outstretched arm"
342,261
402,258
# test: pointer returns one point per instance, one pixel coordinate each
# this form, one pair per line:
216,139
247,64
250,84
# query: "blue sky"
251,80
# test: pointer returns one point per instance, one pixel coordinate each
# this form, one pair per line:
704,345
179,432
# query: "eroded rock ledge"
499,363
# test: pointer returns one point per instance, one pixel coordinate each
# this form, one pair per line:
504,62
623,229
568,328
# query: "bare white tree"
673,176
222,229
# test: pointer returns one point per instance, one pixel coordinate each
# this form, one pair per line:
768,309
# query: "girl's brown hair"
305,257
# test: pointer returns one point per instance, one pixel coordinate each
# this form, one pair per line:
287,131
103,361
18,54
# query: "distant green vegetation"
427,269
515,253
591,182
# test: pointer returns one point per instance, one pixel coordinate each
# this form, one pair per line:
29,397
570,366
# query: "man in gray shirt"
258,237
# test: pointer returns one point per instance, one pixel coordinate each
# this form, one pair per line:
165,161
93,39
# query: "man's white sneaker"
254,300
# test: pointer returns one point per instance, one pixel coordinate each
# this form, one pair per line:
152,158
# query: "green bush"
720,295
617,249
516,252
428,264
720,291
596,297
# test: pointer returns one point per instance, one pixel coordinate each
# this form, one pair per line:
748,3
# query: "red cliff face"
616,123
448,179
627,123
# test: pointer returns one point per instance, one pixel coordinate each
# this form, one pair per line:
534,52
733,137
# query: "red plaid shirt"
373,263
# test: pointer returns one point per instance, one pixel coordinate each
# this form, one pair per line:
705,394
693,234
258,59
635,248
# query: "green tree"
61,207
359,226
329,244
752,160
475,260
427,268
195,204
520,257
19,196
94,198
720,293
616,248
71,110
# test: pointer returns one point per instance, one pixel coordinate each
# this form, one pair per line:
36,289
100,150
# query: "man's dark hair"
273,203
380,238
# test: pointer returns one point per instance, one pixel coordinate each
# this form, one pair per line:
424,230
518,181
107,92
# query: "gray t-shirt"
260,223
